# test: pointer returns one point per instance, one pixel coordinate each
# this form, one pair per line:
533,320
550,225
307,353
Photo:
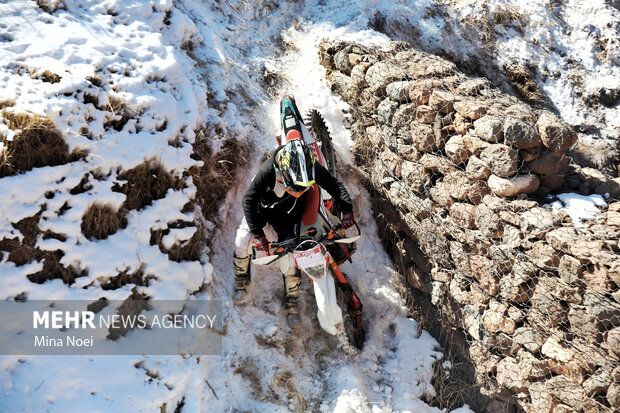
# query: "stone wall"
460,172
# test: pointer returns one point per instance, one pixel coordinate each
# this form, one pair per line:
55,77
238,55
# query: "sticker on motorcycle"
309,258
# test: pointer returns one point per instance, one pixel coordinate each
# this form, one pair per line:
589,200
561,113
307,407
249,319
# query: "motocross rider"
276,197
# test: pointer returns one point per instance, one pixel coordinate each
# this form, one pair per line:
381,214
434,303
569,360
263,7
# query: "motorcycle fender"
329,313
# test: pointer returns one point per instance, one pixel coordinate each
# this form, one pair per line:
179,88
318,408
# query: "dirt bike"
332,290
321,245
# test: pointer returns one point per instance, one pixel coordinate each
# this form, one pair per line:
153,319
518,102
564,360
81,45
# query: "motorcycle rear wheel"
352,322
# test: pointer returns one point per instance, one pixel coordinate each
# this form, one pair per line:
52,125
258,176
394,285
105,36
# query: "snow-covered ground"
179,68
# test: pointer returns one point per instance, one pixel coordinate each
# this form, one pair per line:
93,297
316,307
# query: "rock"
462,188
531,368
381,74
544,256
420,93
342,62
415,176
537,222
424,138
483,358
512,236
501,160
474,145
403,116
431,66
521,111
585,249
596,278
455,149
472,322
562,291
369,102
613,217
528,155
597,383
489,128
520,135
509,375
562,238
463,214
513,186
470,109
358,75
515,286
495,320
529,339
443,101
399,91
354,59
343,85
476,169
566,390
552,182
609,189
613,396
570,269
473,87
510,217
488,222
391,162
480,269
461,124
424,114
495,203
549,163
541,398
440,194
555,350
555,134
386,110
437,164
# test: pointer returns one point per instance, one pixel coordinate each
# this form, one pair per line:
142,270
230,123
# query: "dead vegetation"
188,250
523,79
117,114
131,307
136,277
37,143
51,6
49,77
219,172
102,220
146,183
23,251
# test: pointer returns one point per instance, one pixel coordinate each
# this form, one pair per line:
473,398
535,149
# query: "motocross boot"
242,278
291,288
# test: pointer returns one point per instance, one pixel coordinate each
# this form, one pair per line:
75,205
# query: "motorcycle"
332,290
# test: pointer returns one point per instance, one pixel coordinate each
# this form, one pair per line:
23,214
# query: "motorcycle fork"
355,304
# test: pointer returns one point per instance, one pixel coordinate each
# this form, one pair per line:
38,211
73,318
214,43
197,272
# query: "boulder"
520,135
598,382
528,338
368,102
552,182
424,138
555,134
358,75
509,374
537,222
415,176
381,74
528,155
386,110
343,85
570,269
562,238
473,87
613,396
403,116
476,169
489,128
470,109
342,62
480,268
437,164
474,145
555,350
440,194
543,255
463,214
399,91
420,92
495,319
461,124
501,160
455,149
513,186
515,286
425,114
549,163
531,368
488,222
462,188
443,101
472,322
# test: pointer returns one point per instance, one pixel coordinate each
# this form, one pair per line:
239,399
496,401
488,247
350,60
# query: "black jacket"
261,205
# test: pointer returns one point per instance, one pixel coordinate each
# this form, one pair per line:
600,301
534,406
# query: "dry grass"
146,182
38,143
117,114
24,251
523,79
49,77
51,6
219,172
102,220
6,103
189,250
137,277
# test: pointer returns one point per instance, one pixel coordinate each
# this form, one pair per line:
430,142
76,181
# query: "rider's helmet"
295,162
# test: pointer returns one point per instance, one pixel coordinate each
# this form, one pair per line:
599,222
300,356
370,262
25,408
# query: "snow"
581,208
190,65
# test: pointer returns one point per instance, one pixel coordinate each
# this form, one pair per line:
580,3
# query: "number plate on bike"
309,258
